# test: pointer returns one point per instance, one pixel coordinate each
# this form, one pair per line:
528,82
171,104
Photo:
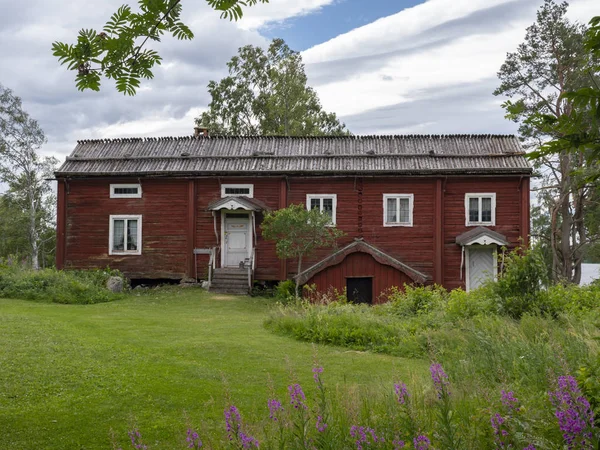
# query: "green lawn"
69,373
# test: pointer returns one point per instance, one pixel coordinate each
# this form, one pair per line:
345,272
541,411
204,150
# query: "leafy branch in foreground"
117,52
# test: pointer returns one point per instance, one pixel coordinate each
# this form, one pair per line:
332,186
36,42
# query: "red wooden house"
415,209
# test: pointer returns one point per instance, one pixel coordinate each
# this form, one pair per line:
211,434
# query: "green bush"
520,287
416,300
463,305
285,290
50,285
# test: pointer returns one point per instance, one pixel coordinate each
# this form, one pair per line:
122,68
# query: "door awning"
481,236
359,245
233,203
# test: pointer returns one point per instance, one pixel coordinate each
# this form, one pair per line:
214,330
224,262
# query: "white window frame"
126,186
321,197
112,218
411,201
250,188
469,196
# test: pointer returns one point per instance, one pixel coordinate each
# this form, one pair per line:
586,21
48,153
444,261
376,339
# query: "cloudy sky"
384,66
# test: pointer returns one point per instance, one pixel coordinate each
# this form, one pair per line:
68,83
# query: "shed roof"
414,154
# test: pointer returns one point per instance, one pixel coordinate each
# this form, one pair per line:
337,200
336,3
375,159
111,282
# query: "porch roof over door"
481,236
234,203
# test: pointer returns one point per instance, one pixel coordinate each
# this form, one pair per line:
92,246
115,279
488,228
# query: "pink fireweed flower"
136,439
361,436
398,444
510,402
574,414
530,447
193,439
321,426
401,392
440,379
421,442
233,422
274,407
297,396
316,372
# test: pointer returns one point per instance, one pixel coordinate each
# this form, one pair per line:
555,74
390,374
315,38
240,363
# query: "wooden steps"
230,281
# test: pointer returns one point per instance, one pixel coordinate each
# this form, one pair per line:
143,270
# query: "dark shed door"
360,290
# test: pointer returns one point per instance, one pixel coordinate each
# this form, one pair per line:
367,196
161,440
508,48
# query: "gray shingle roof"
297,155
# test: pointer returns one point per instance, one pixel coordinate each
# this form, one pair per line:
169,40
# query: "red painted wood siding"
168,209
360,265
508,217
163,207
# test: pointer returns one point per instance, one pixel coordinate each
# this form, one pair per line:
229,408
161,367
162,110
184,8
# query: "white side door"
236,240
480,265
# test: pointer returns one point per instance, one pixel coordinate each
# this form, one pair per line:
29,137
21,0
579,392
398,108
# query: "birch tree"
22,168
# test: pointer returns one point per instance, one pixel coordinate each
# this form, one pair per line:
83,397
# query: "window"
125,191
125,235
480,209
326,203
237,190
398,210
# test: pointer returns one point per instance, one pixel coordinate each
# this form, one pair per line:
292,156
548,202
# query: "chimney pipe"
200,131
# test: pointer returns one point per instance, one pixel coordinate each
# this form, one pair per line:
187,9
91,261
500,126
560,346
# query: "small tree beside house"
298,232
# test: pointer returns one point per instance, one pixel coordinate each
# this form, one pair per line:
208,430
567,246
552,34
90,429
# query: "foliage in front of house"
57,286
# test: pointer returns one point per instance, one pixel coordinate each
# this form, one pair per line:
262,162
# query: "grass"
71,373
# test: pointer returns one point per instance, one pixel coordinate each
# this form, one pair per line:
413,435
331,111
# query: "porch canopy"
360,246
235,203
481,236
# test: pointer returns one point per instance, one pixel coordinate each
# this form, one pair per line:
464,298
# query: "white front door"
236,239
481,265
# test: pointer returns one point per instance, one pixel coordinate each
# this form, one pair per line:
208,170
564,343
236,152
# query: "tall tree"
22,168
298,232
551,62
118,51
266,93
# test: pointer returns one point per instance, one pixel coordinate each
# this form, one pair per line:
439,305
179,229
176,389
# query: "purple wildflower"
321,426
439,377
398,444
421,442
510,402
574,414
530,447
296,396
233,422
247,441
193,439
360,434
316,372
274,407
500,432
136,439
401,392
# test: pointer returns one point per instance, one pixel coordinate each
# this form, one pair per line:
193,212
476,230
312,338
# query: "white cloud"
278,11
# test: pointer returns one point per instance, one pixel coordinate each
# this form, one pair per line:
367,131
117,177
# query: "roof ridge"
258,137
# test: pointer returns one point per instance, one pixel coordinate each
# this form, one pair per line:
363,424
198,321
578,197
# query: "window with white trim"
398,210
125,235
480,209
237,190
326,203
126,191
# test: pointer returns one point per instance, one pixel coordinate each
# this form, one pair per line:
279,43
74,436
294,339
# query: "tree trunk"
566,269
298,273
33,232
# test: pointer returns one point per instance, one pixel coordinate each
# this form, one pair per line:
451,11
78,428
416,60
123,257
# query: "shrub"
520,286
285,290
463,305
415,300
68,287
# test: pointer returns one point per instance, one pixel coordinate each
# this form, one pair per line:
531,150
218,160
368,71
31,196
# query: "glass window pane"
392,214
237,191
132,243
486,209
404,210
126,191
315,203
474,210
118,234
328,206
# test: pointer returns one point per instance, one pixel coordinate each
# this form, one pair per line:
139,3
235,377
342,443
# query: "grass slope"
70,373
